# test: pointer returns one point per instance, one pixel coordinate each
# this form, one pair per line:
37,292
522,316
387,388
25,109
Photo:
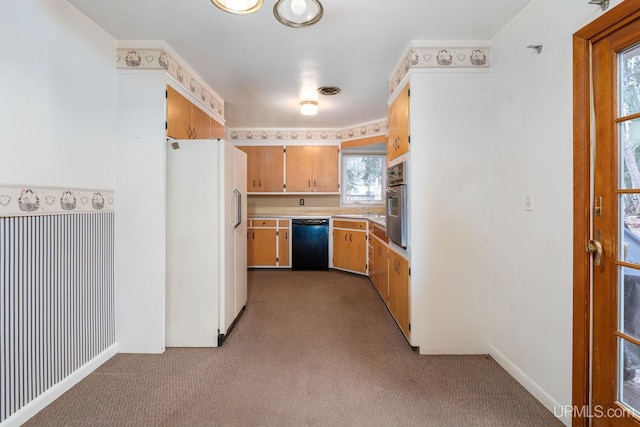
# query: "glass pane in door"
629,381
629,227
629,322
629,80
629,132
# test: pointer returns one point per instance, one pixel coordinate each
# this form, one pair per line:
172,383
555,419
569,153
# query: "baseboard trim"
40,402
531,386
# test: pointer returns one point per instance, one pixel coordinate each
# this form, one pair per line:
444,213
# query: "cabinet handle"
345,237
254,183
351,237
286,235
309,184
253,235
314,183
260,183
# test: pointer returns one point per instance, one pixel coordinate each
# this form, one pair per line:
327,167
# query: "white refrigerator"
206,241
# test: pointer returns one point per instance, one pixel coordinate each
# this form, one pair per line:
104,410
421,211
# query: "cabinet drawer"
353,225
263,223
379,232
284,223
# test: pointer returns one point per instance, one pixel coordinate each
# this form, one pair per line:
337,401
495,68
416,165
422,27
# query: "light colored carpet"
312,349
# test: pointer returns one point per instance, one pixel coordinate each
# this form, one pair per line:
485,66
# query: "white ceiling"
262,68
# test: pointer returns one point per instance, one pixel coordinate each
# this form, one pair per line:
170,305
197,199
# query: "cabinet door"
384,271
398,142
200,123
341,248
380,268
325,168
392,299
252,167
299,168
358,251
261,246
271,168
399,274
372,263
265,168
178,115
284,235
216,129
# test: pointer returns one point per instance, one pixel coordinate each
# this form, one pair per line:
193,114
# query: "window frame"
360,152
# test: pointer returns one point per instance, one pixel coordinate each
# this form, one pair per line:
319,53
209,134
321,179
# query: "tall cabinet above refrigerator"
206,241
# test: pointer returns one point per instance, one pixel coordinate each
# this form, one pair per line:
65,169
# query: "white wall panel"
57,103
532,147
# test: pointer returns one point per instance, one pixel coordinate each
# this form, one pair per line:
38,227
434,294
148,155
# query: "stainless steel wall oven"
397,203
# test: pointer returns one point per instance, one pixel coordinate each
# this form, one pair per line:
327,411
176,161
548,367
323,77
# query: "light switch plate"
528,201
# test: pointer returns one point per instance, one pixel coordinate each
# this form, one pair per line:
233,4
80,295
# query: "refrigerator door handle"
238,208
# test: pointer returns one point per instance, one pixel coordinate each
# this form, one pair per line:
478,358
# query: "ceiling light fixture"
298,13
238,7
328,90
309,108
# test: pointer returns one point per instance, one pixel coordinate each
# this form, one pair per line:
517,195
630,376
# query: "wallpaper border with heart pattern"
30,200
277,134
160,59
440,58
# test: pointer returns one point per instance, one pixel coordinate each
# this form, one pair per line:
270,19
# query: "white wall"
140,246
532,152
56,116
57,103
449,186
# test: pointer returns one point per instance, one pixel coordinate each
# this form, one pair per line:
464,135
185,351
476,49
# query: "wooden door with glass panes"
613,299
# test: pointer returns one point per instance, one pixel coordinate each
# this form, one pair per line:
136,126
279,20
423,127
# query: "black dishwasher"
310,244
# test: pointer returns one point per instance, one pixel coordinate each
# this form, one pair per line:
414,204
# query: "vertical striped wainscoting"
57,300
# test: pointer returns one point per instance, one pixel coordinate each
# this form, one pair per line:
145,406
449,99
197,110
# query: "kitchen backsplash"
313,205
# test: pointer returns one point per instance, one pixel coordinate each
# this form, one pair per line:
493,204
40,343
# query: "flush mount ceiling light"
309,108
298,13
238,7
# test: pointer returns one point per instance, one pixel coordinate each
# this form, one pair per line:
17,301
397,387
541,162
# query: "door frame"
617,17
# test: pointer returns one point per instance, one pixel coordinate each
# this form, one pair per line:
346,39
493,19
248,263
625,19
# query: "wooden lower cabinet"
379,267
268,243
261,247
284,243
350,245
399,292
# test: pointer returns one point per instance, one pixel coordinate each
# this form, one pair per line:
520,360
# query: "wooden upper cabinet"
186,121
178,115
216,129
299,168
325,168
312,168
265,168
399,115
200,124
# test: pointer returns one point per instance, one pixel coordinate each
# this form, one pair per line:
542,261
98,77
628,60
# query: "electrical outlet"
301,202
528,201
